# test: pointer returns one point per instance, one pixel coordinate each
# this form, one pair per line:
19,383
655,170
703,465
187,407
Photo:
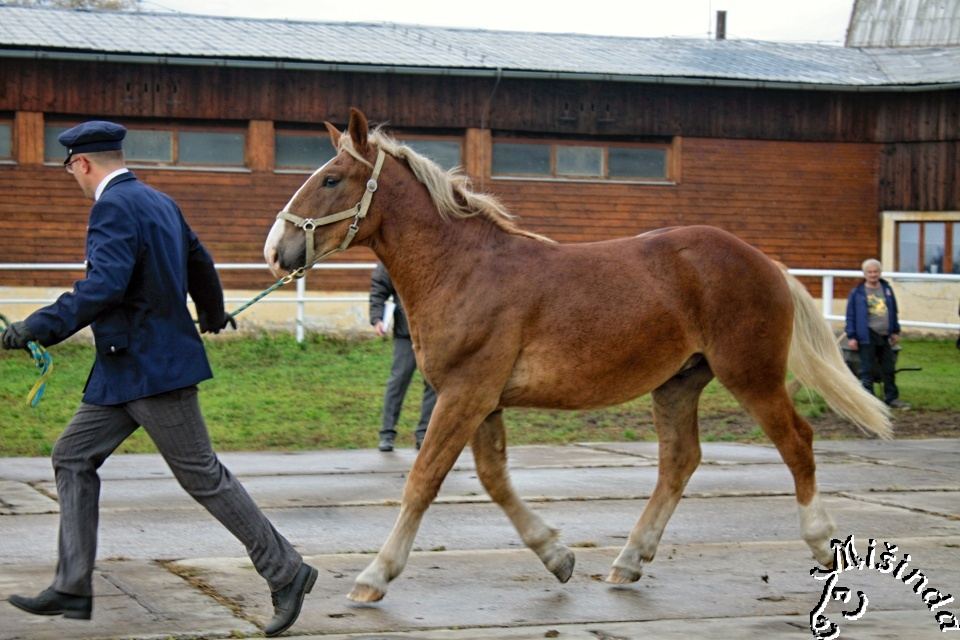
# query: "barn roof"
904,23
193,39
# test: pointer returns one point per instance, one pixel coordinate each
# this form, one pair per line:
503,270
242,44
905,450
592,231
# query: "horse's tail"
817,363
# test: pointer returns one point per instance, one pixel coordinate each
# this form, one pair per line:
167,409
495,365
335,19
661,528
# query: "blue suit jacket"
142,260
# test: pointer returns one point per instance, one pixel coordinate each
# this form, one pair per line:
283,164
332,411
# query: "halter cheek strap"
357,212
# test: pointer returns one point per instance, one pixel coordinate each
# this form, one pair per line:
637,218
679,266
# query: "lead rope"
290,277
44,362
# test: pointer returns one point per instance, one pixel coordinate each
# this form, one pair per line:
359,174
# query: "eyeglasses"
69,165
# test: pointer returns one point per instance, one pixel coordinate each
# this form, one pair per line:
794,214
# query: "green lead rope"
43,360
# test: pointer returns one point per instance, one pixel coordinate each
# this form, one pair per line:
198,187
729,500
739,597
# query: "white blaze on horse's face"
271,251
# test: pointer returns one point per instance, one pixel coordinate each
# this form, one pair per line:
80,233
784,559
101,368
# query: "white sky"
780,20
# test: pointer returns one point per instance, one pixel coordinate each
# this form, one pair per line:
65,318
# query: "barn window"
145,145
302,150
53,151
581,161
521,159
165,146
211,148
446,153
928,247
631,162
6,142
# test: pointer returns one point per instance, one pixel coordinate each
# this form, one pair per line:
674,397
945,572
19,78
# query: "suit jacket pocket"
112,344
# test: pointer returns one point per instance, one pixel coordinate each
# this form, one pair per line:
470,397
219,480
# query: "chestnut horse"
501,317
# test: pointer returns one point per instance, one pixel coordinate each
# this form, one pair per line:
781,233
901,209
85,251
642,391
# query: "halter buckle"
309,224
371,185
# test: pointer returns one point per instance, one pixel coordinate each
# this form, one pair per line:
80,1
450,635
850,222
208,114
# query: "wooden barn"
819,155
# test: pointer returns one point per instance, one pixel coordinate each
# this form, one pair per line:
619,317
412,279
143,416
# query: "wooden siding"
920,176
806,204
809,205
583,108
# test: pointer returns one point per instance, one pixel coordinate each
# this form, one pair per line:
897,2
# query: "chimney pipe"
721,25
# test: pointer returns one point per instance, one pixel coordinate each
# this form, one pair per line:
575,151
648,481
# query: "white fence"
300,299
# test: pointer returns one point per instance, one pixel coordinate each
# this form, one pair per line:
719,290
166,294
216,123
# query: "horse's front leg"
455,417
490,452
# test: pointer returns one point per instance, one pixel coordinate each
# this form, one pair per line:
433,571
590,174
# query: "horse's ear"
334,134
358,128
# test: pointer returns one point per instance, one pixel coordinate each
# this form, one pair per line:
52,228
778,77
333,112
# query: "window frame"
400,136
404,138
292,131
891,237
8,122
175,129
669,161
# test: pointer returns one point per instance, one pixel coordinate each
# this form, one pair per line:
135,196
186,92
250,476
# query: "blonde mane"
451,191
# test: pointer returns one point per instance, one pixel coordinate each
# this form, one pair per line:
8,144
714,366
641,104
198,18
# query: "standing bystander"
873,330
403,365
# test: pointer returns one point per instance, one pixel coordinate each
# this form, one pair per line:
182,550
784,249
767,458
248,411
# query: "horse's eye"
330,181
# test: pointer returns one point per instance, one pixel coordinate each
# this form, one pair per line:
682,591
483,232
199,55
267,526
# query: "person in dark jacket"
142,260
404,362
873,329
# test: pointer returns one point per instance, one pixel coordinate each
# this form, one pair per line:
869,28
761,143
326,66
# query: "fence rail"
300,299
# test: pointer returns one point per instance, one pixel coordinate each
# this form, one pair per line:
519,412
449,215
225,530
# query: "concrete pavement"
731,563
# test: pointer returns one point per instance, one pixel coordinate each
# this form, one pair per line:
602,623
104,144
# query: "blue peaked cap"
95,135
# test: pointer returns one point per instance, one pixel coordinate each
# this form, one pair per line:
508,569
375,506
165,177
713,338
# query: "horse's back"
630,312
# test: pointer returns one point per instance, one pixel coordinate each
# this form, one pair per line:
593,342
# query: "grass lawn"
271,393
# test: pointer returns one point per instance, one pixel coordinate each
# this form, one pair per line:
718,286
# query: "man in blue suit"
142,260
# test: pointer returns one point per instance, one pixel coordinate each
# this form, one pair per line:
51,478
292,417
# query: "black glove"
16,336
209,326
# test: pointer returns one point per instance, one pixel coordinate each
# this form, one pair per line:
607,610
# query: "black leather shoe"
386,444
288,600
54,603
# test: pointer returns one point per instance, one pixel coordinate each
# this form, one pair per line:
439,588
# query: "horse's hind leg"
793,437
675,416
490,452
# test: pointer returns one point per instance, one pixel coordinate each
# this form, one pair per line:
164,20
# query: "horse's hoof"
365,593
620,575
563,567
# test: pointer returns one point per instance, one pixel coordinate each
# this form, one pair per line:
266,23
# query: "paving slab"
877,625
193,532
134,598
359,461
538,484
711,452
507,588
939,454
19,498
942,503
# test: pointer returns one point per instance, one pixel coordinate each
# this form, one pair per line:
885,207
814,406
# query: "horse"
502,317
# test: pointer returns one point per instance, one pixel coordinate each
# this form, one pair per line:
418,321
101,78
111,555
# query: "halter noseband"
358,212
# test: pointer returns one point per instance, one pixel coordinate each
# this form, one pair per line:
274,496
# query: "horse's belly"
569,382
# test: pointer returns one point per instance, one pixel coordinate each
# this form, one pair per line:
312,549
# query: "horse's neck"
423,252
